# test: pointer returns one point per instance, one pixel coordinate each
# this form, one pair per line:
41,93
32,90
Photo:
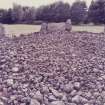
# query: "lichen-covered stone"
44,28
68,25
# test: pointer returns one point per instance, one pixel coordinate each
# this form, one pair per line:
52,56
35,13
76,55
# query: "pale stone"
13,97
77,85
64,98
23,104
45,90
15,69
86,104
78,99
34,102
71,104
1,103
52,98
73,93
68,87
57,103
10,82
56,93
38,96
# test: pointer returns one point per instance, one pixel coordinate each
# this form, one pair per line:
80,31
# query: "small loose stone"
34,102
76,85
57,103
15,69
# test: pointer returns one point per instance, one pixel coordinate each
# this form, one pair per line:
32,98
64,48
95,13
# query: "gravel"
57,68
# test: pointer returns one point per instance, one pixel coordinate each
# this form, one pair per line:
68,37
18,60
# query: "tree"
30,14
78,12
17,13
96,12
5,16
2,12
55,12
62,11
8,17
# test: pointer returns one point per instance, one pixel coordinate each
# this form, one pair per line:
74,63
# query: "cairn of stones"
39,69
44,28
2,30
68,25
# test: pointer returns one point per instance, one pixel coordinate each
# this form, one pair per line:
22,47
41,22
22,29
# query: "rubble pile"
58,68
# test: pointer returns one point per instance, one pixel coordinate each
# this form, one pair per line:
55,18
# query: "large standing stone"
44,28
68,25
56,27
2,30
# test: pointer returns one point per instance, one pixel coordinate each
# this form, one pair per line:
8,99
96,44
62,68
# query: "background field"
21,29
25,29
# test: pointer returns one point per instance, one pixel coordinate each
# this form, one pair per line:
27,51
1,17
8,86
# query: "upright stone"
44,28
2,30
104,29
68,25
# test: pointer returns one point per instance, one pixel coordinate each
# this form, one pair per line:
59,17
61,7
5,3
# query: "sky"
8,3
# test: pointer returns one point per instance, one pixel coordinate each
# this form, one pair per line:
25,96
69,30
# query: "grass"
21,29
94,29
25,29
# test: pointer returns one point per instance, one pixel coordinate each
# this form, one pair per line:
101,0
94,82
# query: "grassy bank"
25,29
